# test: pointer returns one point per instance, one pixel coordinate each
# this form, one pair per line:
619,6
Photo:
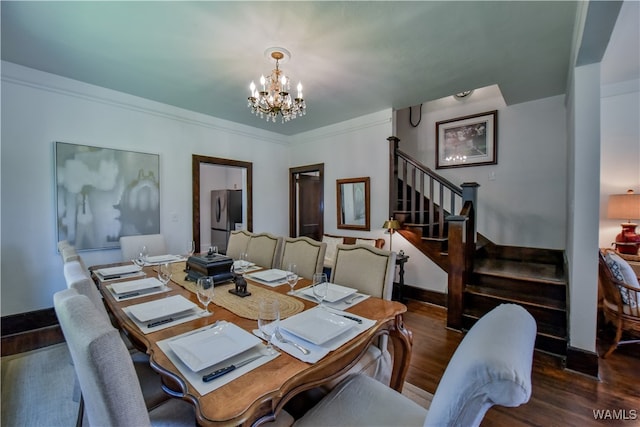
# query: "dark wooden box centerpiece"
214,265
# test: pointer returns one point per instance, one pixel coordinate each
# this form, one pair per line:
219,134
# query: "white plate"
334,292
316,325
116,271
273,275
162,258
203,349
136,285
240,263
160,308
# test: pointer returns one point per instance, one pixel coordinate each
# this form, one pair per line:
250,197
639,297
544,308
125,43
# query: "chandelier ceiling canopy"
272,97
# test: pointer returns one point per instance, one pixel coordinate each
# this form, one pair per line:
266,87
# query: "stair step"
534,300
530,271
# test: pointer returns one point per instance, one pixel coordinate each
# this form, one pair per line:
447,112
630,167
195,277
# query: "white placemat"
195,378
317,352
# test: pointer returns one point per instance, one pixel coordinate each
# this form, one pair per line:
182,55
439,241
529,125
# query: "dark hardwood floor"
559,398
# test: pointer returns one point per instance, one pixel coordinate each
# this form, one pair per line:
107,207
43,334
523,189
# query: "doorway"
306,201
199,164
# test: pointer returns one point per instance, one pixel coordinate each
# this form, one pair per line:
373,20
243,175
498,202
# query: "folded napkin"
317,352
338,305
195,378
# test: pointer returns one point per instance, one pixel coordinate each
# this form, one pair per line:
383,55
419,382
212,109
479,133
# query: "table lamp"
625,206
391,225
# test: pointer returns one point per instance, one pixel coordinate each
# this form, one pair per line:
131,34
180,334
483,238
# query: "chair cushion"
368,242
362,401
622,271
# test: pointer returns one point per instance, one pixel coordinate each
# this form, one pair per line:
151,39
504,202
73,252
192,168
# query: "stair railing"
419,195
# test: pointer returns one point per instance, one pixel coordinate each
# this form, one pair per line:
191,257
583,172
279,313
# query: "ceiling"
353,58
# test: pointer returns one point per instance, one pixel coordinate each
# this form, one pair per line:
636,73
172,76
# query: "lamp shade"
391,224
624,206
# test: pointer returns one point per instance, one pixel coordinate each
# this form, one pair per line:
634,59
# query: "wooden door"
306,196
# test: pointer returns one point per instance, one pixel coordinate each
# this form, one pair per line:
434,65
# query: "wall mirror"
353,203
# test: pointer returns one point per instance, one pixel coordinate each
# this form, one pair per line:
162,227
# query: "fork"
353,298
282,339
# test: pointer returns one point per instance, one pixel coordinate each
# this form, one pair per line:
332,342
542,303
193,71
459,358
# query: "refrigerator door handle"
218,209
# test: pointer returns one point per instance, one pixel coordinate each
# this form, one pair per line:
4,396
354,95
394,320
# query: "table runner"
246,307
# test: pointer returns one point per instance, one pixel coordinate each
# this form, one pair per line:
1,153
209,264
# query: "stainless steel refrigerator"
226,211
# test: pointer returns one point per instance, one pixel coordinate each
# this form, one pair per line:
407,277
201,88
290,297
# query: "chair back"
368,269
110,389
130,245
619,285
307,254
265,250
237,244
491,366
78,279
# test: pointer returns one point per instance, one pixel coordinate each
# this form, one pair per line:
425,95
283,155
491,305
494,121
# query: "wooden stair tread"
515,297
532,271
475,317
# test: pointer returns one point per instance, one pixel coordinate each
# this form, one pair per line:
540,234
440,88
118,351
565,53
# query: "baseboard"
29,331
425,295
582,361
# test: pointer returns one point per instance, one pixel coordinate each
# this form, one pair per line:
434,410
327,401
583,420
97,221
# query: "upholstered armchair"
237,244
620,297
307,254
492,366
265,250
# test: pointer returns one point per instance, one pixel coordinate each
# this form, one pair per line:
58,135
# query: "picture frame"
353,203
102,194
467,141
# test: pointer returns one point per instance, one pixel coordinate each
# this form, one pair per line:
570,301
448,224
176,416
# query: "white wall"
521,199
620,150
40,108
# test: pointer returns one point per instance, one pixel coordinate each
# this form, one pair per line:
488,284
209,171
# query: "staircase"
435,215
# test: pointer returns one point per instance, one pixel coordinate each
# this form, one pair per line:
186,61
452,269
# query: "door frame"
196,162
293,200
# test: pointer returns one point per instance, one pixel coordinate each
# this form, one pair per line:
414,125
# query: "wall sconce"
391,226
625,206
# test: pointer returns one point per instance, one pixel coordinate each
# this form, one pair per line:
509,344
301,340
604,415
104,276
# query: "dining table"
258,395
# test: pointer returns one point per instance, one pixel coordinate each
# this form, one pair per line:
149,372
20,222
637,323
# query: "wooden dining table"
260,394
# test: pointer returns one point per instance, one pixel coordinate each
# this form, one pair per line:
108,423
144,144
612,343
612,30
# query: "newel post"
393,173
457,273
470,194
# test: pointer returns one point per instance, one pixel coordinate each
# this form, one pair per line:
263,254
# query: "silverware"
353,298
222,371
282,339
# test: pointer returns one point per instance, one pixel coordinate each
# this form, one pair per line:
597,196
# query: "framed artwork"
467,141
102,194
353,203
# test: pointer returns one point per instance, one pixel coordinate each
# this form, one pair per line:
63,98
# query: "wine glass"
292,277
320,286
268,320
164,273
241,265
204,287
191,247
144,254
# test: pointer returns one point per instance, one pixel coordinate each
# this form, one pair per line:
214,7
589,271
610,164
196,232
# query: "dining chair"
78,280
265,250
620,298
307,254
491,366
112,395
130,245
237,244
368,269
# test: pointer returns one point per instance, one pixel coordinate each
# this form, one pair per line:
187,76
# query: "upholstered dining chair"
237,244
307,254
78,280
265,250
368,269
130,245
620,297
111,391
491,366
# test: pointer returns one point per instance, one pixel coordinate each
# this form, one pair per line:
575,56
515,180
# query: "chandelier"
274,98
